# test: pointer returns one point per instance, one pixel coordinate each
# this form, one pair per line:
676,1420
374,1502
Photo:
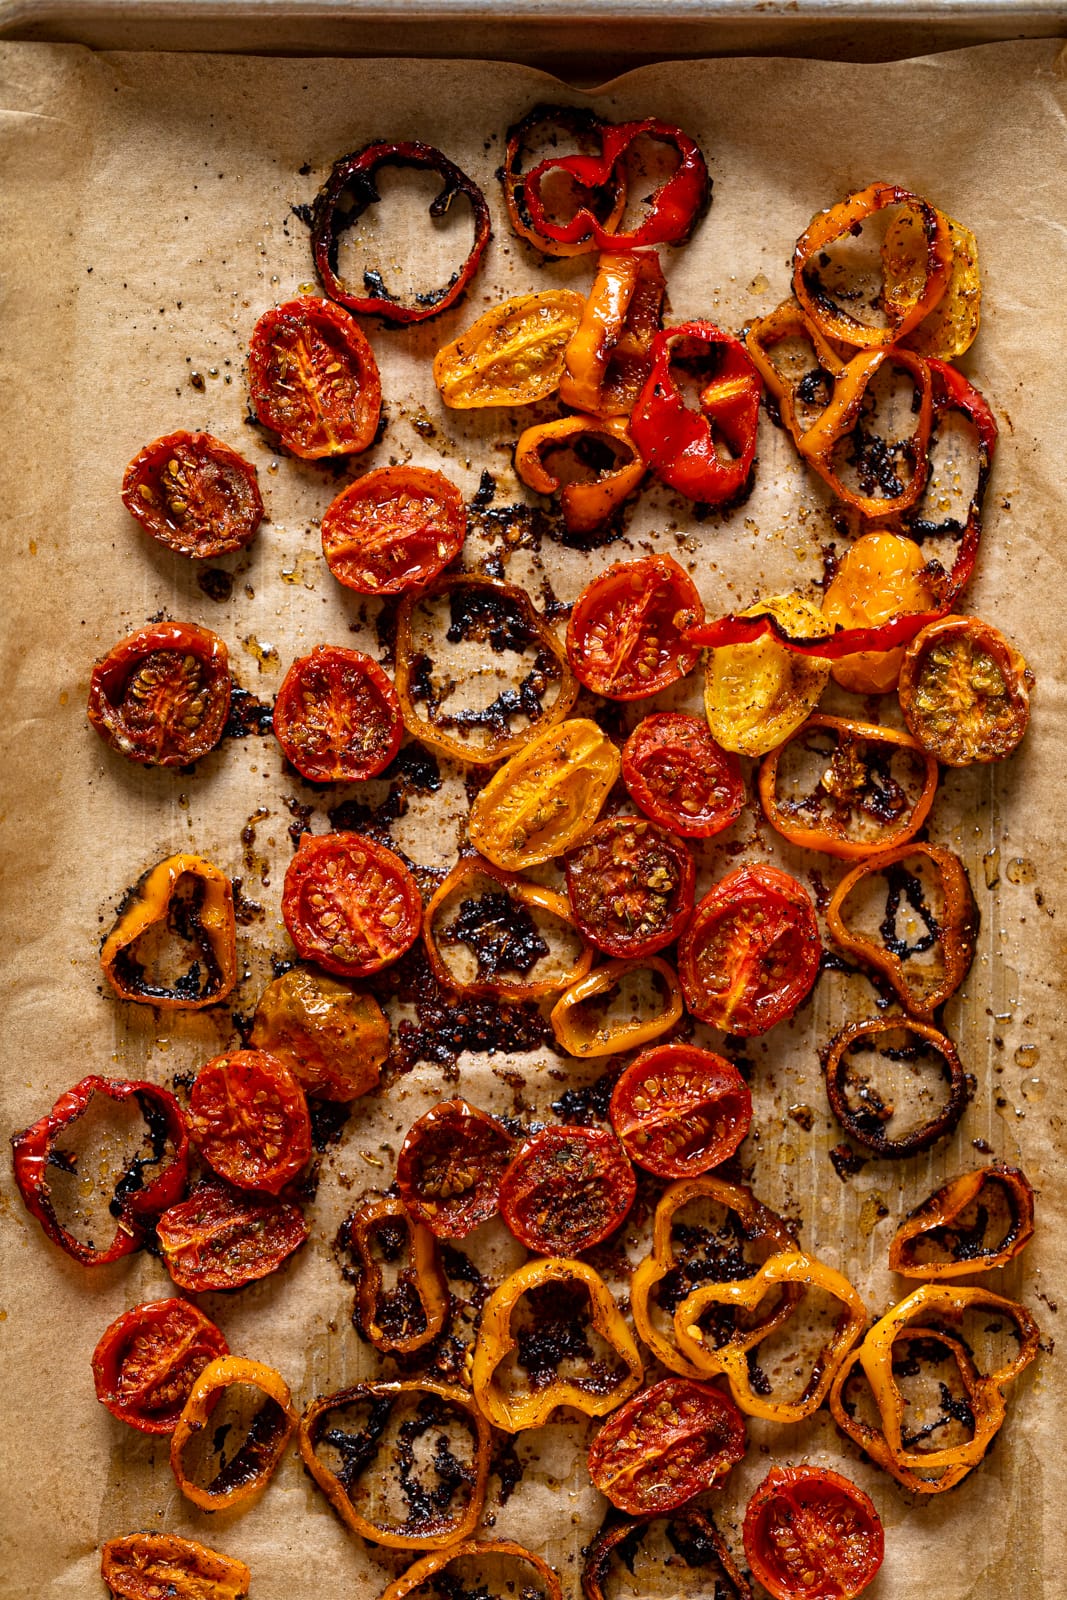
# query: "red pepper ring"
355,174
677,442
133,1205
674,209
834,223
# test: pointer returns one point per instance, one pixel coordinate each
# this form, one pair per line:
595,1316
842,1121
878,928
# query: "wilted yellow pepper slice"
512,355
952,326
756,695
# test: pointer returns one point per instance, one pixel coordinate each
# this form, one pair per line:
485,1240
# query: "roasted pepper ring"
417,1574
496,1341
866,1124
942,1209
442,1529
586,129
790,1267
609,1038
385,1319
355,175
608,358
247,1472
758,1222
699,1542
787,321
585,506
207,918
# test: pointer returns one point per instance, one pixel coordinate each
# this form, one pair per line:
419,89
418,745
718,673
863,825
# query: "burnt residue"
505,1465
385,630
587,1104
301,815
413,771
904,885
329,1118
485,493
216,583
558,1332
500,933
258,1451
248,715
245,910
846,1162
357,1450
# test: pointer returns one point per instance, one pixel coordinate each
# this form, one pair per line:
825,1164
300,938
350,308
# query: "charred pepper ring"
423,1274
790,1267
441,1530
417,1574
212,927
495,1343
585,506
864,1125
941,1209
246,1473
355,174
702,1534
586,129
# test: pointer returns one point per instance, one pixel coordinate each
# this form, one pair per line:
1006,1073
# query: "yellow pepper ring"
496,1341
611,1038
756,1219
237,1479
791,1266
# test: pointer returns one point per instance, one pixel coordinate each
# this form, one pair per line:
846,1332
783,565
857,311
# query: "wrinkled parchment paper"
148,223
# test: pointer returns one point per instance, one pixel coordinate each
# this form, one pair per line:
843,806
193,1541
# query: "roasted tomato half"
145,1566
349,904
222,1239
314,379
630,886
161,696
751,952
665,1445
393,529
626,635
810,1534
337,716
965,692
449,1168
194,494
333,1040
679,1110
567,1189
249,1119
148,1360
880,577
679,776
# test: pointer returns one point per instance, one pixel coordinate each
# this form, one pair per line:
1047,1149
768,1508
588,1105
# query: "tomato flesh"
249,1120
393,529
626,638
350,905
148,1360
314,379
450,1167
194,494
666,1445
680,1111
630,886
337,716
810,1534
221,1239
567,1189
965,692
161,696
674,770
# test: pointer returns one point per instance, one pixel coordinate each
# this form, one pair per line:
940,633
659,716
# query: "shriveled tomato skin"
567,1189
222,1239
674,770
350,905
394,529
194,494
332,1039
626,634
450,1166
162,1566
249,1119
337,716
751,951
811,1534
314,379
147,1360
679,1110
161,696
630,886
666,1445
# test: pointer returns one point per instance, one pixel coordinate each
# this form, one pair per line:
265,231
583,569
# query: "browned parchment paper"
147,224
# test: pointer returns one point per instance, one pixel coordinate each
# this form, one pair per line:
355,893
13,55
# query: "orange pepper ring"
334,1490
832,224
700,1521
495,1342
787,321
149,903
858,732
921,1138
417,1574
196,1414
791,1266
429,1281
628,1035
754,1215
944,1206
585,506
526,893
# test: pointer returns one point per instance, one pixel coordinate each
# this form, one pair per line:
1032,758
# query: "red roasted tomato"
450,1166
625,637
679,776
194,494
349,904
666,1445
679,1111
810,1534
148,1360
337,716
249,1119
161,696
751,952
630,886
314,379
393,529
222,1239
566,1190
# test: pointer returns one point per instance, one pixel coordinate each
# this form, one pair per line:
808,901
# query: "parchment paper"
147,226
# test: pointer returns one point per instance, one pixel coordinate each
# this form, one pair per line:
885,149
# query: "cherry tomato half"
449,1168
545,797
148,1360
810,1534
666,1445
350,905
751,952
393,529
337,716
145,1566
567,1189
965,692
679,776
757,694
314,379
333,1040
678,1110
194,494
221,1239
161,696
630,886
626,634
249,1119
